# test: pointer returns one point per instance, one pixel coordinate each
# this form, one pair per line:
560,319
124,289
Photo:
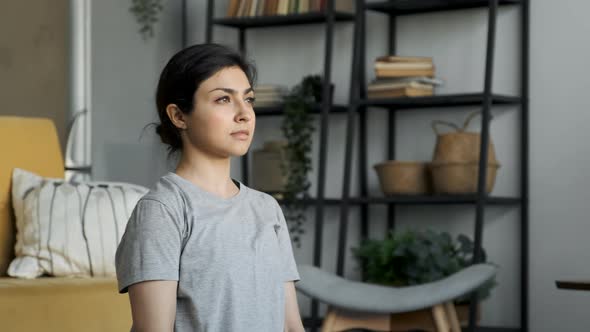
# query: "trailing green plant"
146,14
412,257
297,127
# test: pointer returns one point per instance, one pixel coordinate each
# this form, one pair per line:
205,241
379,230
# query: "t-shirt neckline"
208,194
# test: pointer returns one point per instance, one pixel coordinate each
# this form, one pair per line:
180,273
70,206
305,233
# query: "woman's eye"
223,99
251,100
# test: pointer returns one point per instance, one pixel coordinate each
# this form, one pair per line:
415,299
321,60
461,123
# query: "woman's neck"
211,174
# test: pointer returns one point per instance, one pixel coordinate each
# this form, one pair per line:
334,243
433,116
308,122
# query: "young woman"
202,252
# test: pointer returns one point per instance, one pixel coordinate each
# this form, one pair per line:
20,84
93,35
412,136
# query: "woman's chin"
239,152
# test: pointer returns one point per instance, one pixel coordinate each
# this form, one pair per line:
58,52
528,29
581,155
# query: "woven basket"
403,177
460,145
460,177
266,167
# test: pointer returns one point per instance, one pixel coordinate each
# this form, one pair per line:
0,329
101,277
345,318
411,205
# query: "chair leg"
329,320
440,318
452,316
340,320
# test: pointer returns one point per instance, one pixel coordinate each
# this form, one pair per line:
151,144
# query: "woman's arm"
153,305
292,317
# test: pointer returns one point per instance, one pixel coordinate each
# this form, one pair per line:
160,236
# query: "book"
314,6
232,8
268,8
393,86
293,6
275,7
269,88
403,72
260,8
303,6
244,8
264,103
341,6
403,65
397,58
345,6
253,8
396,80
283,8
240,10
401,92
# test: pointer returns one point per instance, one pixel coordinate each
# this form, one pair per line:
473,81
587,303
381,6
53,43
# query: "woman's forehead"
231,77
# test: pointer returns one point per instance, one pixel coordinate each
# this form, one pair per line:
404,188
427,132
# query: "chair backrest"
31,144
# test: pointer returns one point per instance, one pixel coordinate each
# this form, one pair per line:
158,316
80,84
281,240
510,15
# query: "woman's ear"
176,116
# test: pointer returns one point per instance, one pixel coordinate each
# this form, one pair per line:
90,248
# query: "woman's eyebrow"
232,91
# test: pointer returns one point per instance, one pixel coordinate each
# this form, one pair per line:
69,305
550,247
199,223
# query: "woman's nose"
244,111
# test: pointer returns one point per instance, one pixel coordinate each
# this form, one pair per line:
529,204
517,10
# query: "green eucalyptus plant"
146,13
297,127
411,257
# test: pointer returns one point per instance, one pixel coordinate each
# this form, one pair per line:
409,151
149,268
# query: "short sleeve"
290,272
150,247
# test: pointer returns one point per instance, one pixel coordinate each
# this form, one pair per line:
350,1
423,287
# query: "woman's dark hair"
181,78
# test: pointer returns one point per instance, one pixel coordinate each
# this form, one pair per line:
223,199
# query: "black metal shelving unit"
359,105
329,17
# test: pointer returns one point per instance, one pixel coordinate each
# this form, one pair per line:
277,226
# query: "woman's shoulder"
165,192
261,197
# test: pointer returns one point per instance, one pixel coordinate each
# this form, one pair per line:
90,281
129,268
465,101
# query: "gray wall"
125,70
34,72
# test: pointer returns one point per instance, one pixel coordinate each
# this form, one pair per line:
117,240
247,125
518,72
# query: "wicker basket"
403,177
460,145
460,177
266,167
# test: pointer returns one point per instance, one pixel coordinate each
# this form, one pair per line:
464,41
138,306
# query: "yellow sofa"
47,303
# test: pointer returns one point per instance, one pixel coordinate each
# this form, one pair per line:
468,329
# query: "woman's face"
223,120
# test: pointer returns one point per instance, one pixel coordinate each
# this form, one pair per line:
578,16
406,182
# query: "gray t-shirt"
230,256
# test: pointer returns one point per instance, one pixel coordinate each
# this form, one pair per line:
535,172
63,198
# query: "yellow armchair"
48,303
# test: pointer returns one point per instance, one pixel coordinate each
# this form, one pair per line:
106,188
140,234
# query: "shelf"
280,20
406,7
449,100
313,201
418,200
435,200
278,110
407,103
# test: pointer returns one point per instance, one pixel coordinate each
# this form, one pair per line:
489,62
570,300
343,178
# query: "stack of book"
242,8
399,76
269,95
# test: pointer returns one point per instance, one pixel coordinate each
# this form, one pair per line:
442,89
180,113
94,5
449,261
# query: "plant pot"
403,177
460,177
459,145
266,167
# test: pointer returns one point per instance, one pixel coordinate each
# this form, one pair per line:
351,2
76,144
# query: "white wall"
559,181
125,71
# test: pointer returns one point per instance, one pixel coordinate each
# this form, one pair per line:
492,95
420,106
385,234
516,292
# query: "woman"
201,251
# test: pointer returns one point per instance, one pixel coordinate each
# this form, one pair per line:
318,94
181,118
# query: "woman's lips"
241,135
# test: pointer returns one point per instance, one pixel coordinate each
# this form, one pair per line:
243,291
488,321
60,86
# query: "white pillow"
68,229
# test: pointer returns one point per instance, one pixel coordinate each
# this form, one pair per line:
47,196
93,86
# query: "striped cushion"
68,229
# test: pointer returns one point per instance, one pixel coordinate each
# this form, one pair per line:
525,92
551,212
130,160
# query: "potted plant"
297,128
413,257
146,14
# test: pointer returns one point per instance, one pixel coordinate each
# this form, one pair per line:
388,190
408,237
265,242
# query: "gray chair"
354,304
